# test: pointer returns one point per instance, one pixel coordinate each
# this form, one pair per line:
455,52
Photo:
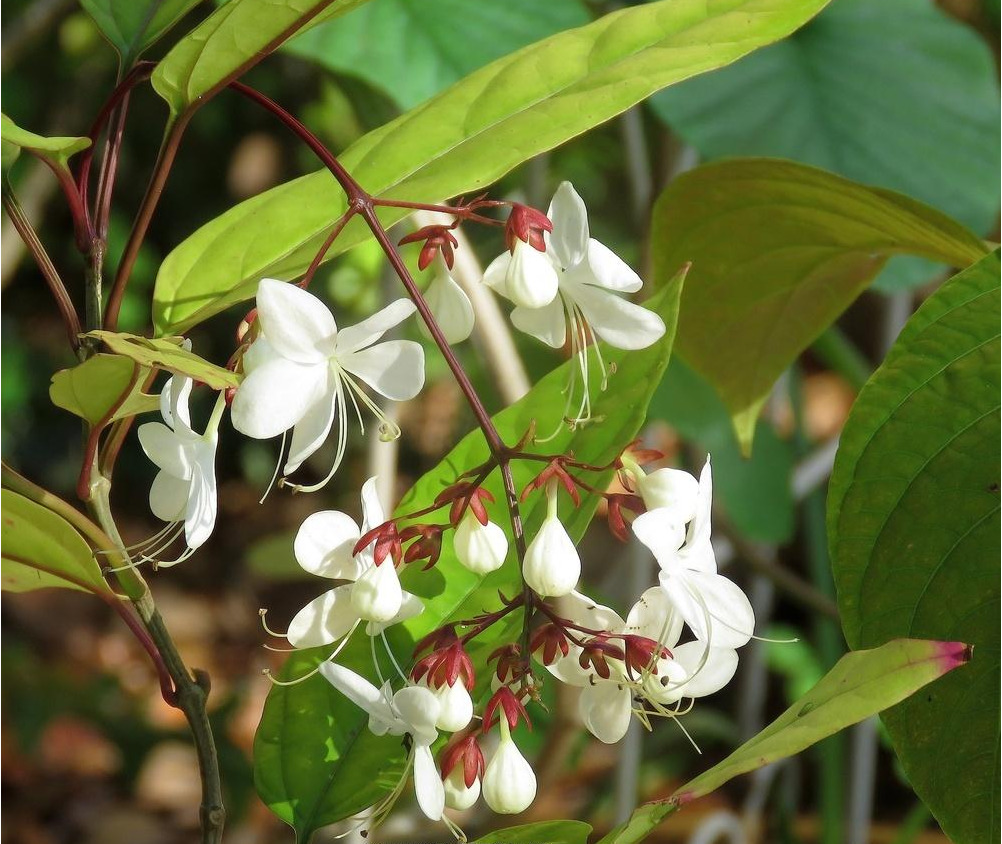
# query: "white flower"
525,275
185,487
666,489
479,547
455,705
716,609
551,567
413,710
451,307
457,794
509,785
589,278
372,593
302,372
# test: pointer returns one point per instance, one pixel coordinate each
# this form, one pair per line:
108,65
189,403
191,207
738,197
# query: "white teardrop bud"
552,566
451,308
531,280
456,706
509,782
457,795
481,548
376,595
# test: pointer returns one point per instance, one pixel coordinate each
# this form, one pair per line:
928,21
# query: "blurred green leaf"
56,151
779,250
544,832
133,25
754,492
466,138
412,49
339,780
913,525
921,118
100,384
861,684
229,42
41,549
166,353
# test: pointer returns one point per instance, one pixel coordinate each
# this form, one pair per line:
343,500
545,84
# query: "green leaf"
922,119
467,138
412,49
41,549
913,526
229,42
56,151
779,250
103,385
354,767
166,353
544,832
753,491
861,684
133,25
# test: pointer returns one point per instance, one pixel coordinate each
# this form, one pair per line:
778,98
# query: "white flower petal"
509,784
699,529
428,786
548,323
451,307
276,395
297,324
258,352
356,688
457,794
531,280
605,709
200,517
410,606
324,545
418,708
583,610
670,489
368,331
655,617
376,595
324,620
496,274
166,449
480,548
168,496
731,613
610,271
394,369
709,676
569,238
373,514
309,433
614,319
661,532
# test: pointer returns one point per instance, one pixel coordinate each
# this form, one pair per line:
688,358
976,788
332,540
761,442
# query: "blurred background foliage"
896,93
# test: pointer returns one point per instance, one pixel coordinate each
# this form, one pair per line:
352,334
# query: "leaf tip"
953,654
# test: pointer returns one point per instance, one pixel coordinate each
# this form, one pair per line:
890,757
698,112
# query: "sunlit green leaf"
103,388
133,25
544,832
861,684
56,150
412,49
923,119
349,767
166,353
466,138
41,549
779,250
914,532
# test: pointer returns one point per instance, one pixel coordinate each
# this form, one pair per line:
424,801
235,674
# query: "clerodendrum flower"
412,710
509,785
716,609
301,372
590,278
552,566
370,593
184,489
450,305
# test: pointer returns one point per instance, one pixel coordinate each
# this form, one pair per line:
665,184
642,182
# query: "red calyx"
526,224
642,654
510,667
465,496
510,705
619,501
549,638
554,471
467,751
246,324
446,662
387,541
427,544
437,238
596,652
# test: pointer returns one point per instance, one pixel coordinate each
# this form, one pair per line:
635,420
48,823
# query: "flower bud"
456,707
457,794
376,595
481,548
451,308
531,280
509,785
551,567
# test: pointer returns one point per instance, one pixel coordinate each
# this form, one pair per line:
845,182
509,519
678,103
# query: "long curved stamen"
262,613
393,659
278,467
341,414
267,673
388,429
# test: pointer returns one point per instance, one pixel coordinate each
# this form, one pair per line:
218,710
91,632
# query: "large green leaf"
778,251
41,549
861,684
56,151
544,832
466,138
133,25
914,533
349,767
103,388
167,353
922,118
229,42
412,49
